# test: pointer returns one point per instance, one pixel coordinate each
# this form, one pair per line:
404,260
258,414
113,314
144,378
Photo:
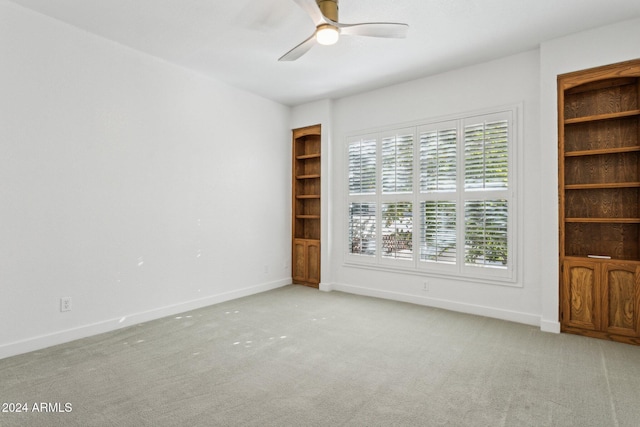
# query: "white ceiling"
239,41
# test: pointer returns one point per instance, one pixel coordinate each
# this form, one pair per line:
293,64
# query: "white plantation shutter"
438,160
397,163
362,183
397,230
445,188
438,186
486,232
362,166
362,228
486,191
486,155
438,231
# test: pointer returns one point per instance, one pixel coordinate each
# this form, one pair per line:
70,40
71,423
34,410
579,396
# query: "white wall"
601,46
135,187
511,80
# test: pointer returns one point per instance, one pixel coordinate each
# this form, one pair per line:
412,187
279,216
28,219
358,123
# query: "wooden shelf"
603,185
632,149
605,220
601,84
598,258
308,156
599,205
598,117
306,220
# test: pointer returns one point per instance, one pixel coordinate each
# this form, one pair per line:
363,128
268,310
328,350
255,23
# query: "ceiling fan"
324,14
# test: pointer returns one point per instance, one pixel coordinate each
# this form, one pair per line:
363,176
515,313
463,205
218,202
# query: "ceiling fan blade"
312,9
299,50
375,29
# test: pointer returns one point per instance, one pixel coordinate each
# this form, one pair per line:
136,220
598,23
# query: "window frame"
460,269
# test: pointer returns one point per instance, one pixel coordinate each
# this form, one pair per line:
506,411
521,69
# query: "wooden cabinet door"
313,262
299,273
621,299
306,262
581,294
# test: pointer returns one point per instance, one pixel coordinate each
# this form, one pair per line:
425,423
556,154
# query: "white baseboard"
479,310
44,341
550,326
326,287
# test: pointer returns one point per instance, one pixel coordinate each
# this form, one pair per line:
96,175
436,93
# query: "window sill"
486,280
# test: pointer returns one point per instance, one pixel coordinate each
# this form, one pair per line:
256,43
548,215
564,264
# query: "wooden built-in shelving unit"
599,186
306,206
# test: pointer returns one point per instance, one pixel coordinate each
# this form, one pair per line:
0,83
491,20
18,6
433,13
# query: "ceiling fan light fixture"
327,34
328,28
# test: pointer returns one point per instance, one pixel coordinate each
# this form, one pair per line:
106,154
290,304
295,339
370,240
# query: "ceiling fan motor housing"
329,9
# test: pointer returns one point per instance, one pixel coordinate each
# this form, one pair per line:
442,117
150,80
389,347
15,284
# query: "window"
438,231
397,230
362,189
453,179
362,167
397,163
362,228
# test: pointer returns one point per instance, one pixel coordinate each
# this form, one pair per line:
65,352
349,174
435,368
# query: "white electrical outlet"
65,304
425,286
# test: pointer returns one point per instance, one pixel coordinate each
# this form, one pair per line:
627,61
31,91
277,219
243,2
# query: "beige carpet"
299,357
